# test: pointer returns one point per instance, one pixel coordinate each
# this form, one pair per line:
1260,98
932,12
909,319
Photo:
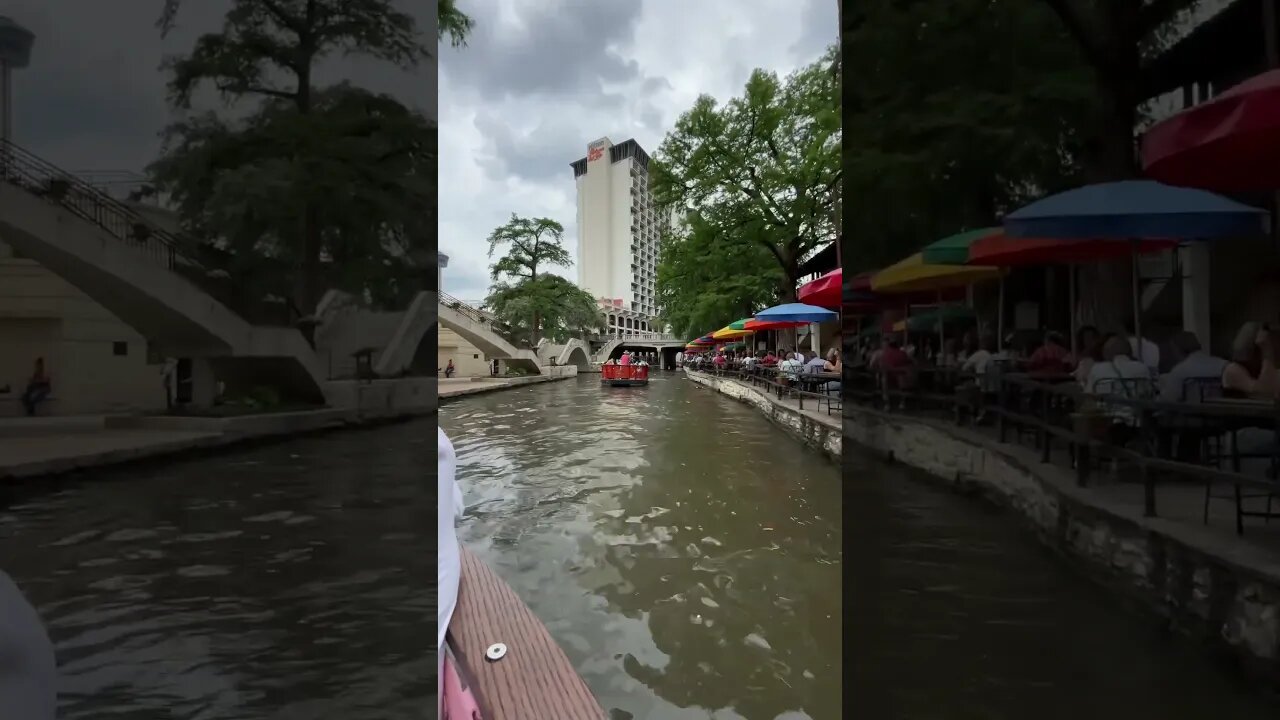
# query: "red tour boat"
623,375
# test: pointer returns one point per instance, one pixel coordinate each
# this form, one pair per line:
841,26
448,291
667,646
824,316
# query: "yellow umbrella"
728,333
915,275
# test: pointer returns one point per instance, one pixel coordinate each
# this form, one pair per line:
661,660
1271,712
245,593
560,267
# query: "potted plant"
57,188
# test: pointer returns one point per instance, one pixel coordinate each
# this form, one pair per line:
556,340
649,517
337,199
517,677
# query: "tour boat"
503,664
617,375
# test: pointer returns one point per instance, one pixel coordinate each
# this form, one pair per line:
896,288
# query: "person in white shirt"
1192,363
1150,352
1112,376
448,560
979,363
790,367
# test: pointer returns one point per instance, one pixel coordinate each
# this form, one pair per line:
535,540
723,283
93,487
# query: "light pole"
15,54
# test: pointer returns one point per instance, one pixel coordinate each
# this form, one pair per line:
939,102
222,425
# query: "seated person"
1088,351
1145,350
980,364
1119,375
38,388
1051,357
816,365
1252,370
790,367
1191,362
894,362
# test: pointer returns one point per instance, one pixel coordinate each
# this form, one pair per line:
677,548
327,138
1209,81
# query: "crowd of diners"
1250,370
782,365
1179,370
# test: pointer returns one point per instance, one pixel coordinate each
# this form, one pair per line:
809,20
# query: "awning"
823,292
1229,144
797,312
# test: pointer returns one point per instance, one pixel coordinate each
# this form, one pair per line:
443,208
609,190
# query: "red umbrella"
1000,250
762,325
823,292
1230,143
862,281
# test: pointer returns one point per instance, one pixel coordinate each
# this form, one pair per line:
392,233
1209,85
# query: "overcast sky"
93,99
540,79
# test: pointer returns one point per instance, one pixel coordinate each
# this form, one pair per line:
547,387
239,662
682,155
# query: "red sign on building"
594,153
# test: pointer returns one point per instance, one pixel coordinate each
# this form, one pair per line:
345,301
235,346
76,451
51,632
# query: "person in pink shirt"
625,359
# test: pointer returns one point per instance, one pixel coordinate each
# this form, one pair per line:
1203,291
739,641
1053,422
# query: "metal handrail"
45,180
471,312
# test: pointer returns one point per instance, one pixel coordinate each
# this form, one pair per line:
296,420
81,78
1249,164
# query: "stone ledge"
812,428
1220,590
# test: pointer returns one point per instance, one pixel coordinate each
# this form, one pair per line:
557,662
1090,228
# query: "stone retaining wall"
812,432
1225,594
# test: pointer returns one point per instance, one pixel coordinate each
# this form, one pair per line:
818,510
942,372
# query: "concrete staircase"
142,274
478,330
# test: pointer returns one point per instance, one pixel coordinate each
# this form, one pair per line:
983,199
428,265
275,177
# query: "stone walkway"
29,455
1178,501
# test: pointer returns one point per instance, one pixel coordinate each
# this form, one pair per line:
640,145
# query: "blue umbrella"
796,312
1135,209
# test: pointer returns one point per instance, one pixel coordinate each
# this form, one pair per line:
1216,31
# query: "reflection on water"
974,619
683,551
287,581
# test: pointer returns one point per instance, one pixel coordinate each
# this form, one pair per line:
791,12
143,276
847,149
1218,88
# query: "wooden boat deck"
534,681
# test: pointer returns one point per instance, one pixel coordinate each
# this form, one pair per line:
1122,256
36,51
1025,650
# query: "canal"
685,553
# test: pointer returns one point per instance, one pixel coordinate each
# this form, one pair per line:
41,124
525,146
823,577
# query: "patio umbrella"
1230,143
823,292
929,321
1135,210
1000,250
762,325
914,275
861,283
796,312
954,249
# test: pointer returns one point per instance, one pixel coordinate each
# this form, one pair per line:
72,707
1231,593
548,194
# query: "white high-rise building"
619,231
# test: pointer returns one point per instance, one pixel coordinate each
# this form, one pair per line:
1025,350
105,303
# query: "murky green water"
683,551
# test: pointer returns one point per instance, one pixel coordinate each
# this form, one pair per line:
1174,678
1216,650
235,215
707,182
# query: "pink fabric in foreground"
458,702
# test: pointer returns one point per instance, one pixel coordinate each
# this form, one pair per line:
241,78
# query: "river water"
685,553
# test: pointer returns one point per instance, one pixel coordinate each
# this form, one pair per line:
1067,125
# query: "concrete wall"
1224,594
348,329
42,315
467,358
818,435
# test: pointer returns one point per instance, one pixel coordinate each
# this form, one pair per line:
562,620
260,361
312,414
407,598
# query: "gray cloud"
548,48
94,97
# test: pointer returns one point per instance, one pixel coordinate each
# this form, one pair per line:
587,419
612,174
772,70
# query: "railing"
1165,442
132,229
780,386
92,204
471,312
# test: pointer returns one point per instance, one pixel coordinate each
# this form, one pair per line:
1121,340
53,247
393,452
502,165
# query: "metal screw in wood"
495,652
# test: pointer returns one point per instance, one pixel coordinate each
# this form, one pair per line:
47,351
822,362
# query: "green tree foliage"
311,174
708,278
533,303
1116,40
961,110
761,173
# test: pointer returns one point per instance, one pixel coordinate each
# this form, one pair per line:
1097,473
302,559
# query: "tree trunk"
1104,293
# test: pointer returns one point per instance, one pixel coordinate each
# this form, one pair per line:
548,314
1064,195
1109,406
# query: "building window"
120,348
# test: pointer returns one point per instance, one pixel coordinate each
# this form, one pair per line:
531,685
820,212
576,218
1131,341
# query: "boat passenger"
448,559
28,668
